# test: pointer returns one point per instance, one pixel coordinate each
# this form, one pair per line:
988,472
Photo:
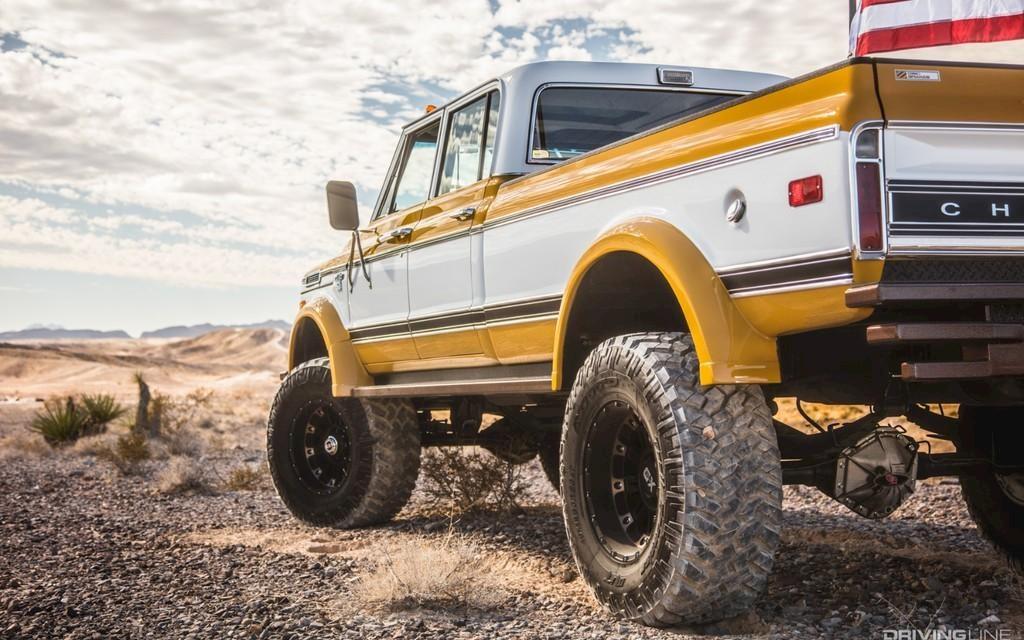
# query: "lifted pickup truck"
630,264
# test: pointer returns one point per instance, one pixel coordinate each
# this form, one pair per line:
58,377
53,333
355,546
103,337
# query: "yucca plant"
60,423
101,409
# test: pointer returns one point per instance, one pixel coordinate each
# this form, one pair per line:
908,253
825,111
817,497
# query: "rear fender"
729,349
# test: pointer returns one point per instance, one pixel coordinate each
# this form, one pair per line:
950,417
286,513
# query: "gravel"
89,554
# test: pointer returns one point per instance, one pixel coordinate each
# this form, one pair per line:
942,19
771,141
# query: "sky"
164,162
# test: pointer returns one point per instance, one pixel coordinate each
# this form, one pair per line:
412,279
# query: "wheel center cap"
331,445
649,482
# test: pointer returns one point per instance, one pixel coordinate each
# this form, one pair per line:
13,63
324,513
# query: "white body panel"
388,299
440,277
948,153
954,154
770,230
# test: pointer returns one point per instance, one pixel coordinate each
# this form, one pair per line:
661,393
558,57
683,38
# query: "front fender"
346,369
729,349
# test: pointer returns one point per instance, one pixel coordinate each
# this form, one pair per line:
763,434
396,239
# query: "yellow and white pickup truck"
628,264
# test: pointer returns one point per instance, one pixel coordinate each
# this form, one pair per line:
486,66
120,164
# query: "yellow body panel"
450,343
388,350
523,342
964,93
458,362
347,370
778,314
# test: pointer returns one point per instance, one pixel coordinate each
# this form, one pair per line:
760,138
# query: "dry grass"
463,479
183,475
22,444
95,446
246,478
420,573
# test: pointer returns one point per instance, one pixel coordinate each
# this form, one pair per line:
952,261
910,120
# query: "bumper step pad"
989,349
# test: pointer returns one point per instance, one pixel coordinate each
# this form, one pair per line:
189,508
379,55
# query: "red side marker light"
805,191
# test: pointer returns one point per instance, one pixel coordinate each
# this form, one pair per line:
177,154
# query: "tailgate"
953,157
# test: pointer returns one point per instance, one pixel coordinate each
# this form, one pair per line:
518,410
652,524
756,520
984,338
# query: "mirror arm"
362,261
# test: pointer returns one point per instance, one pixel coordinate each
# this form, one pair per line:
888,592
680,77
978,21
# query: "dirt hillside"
227,359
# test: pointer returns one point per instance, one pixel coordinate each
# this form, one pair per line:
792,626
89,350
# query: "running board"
497,387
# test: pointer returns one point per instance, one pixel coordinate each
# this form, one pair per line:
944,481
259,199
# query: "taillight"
805,191
869,206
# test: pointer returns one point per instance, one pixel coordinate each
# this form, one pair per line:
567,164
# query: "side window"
411,185
470,143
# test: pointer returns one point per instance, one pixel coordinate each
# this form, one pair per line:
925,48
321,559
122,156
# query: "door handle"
396,235
463,215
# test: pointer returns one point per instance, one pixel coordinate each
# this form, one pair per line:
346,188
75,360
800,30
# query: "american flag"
890,25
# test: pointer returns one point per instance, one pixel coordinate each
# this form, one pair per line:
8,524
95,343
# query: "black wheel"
340,461
672,492
996,500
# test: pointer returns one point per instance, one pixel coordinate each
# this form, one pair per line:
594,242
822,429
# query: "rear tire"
672,492
996,502
548,452
341,462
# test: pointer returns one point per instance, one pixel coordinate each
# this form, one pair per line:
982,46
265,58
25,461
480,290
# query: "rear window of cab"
571,121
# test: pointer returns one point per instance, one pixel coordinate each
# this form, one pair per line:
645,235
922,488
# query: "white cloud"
216,123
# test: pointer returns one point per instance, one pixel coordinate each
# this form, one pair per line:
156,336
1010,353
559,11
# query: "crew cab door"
379,300
442,282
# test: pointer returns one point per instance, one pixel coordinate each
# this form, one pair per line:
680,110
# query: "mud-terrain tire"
548,453
376,445
996,506
715,492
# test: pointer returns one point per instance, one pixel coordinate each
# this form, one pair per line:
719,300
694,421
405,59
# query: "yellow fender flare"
729,349
346,369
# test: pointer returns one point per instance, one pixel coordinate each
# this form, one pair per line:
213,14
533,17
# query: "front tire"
672,492
996,501
340,462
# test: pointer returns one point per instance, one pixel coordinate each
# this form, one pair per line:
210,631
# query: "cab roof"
520,86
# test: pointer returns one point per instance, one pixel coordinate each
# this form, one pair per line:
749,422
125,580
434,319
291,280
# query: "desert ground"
190,540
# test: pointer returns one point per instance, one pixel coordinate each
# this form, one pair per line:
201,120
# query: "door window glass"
412,184
462,154
470,145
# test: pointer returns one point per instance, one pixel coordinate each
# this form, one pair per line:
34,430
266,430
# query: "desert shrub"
65,420
177,418
60,422
467,479
101,409
246,478
128,453
183,475
418,573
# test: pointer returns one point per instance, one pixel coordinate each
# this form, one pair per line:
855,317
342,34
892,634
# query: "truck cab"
412,303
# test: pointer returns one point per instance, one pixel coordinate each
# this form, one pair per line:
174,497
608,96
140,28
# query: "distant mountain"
57,333
196,330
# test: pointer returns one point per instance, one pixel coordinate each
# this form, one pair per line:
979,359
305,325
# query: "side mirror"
342,207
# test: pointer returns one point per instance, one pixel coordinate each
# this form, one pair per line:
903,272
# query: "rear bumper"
988,349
